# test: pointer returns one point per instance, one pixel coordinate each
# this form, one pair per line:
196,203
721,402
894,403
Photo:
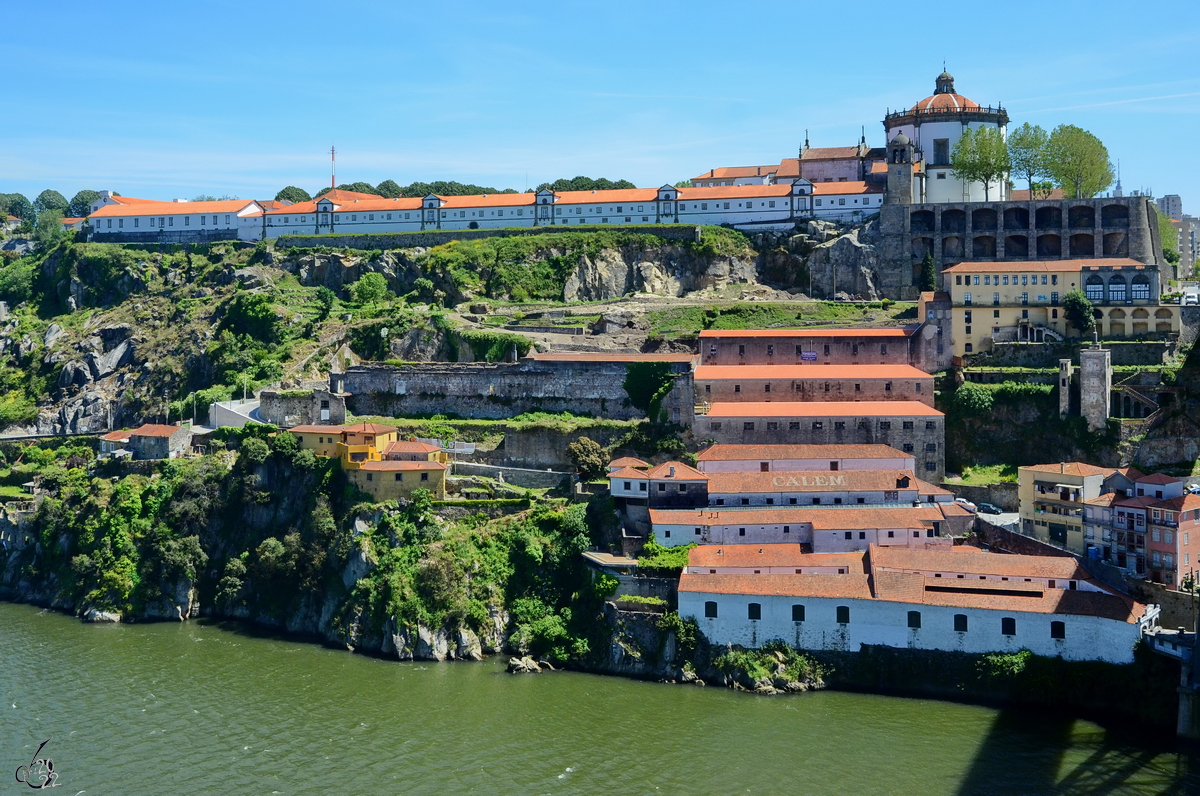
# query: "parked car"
1191,298
988,508
966,504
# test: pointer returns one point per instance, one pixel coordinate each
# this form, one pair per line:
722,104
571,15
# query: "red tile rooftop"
742,453
770,555
393,466
628,461
718,372
676,470
154,430
824,518
893,331
314,429
823,409
1032,266
1070,468
819,481
368,428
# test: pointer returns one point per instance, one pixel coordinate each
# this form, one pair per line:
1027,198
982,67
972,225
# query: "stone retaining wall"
1001,495
431,238
517,476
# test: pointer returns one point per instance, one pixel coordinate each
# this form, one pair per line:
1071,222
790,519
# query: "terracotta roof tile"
779,372
368,428
1186,502
735,172
978,563
608,356
117,436
822,518
771,555
845,586
906,587
393,466
734,192
830,153
410,446
1039,266
154,430
741,453
682,472
628,461
823,409
614,196
1158,478
1070,468
171,208
818,481
890,331
847,188
628,472
315,429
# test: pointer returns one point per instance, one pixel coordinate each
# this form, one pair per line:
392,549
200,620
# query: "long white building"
346,212
932,599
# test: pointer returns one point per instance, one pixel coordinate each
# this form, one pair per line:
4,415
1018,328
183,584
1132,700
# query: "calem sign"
804,480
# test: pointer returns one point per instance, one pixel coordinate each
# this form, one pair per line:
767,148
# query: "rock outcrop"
847,264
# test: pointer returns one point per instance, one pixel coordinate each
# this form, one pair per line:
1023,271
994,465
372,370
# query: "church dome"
945,98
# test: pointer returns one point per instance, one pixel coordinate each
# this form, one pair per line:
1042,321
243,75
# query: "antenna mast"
332,167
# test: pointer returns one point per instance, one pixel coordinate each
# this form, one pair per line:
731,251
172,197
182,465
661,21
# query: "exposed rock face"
848,264
182,602
666,270
420,345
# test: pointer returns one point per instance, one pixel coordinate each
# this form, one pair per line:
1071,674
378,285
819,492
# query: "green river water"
202,708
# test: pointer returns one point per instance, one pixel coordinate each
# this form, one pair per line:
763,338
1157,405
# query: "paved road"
1009,520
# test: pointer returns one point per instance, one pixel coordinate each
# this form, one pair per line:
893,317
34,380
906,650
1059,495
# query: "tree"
293,194
369,289
252,314
929,275
17,205
81,204
980,156
588,457
582,183
49,229
1079,311
358,187
1078,162
1027,153
684,184
326,297
256,452
50,199
647,385
388,189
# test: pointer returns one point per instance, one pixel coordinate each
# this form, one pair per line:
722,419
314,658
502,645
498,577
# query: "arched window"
1140,288
1116,288
1094,288
843,614
710,609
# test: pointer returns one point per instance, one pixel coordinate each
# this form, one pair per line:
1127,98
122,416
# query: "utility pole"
332,167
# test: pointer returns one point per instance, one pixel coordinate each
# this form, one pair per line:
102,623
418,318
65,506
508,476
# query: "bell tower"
900,171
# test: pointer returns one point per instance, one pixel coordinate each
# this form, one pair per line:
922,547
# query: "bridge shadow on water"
1034,752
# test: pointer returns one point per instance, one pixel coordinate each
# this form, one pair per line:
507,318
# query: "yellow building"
1053,496
390,480
376,461
997,302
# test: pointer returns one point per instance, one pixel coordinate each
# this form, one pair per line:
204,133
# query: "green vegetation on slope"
689,321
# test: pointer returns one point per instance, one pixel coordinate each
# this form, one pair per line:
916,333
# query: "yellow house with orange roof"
377,462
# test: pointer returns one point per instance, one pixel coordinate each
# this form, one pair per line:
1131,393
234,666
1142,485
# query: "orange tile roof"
489,200
830,153
613,196
337,196
844,586
606,356
770,555
1107,499
818,481
154,430
628,472
392,466
1069,468
946,102
682,472
734,172
117,436
733,192
978,563
147,208
368,428
1186,502
628,461
892,331
774,372
371,204
1158,478
316,429
742,453
132,200
1132,473
823,409
844,188
823,518
1039,266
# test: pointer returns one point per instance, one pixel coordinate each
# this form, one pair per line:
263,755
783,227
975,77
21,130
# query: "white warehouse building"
951,601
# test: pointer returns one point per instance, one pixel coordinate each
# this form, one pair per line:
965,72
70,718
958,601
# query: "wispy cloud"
1115,102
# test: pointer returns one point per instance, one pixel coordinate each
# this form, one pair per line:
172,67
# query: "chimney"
672,472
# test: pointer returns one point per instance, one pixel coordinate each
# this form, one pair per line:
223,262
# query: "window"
930,425
424,476
1058,630
1008,626
960,623
914,619
370,476
710,609
941,152
839,425
797,613
885,425
399,476
908,424
930,467
908,447
843,614
754,611
1025,298
967,299
818,425
662,487
794,425
748,426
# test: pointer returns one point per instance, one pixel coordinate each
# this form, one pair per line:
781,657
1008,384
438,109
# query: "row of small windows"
166,221
988,279
838,425
1008,624
798,386
883,349
399,476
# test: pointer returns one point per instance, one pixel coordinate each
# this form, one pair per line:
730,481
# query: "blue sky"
164,100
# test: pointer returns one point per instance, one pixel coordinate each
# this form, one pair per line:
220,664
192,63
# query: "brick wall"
856,389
